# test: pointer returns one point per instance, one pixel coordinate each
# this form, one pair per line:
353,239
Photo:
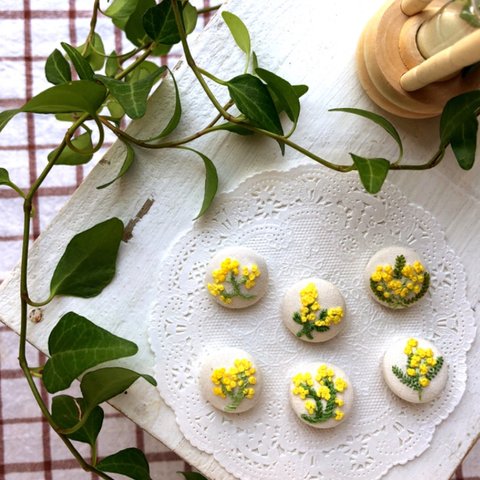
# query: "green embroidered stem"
321,414
385,293
309,326
236,290
421,367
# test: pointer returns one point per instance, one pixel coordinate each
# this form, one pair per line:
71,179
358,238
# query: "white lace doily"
308,222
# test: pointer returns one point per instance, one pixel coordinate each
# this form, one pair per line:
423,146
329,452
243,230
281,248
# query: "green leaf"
67,412
134,26
103,384
127,163
300,90
81,65
238,30
193,476
458,126
145,69
57,69
75,345
70,157
464,142
177,114
116,110
88,264
120,11
211,181
112,65
130,462
372,171
95,53
4,177
234,128
77,96
379,120
159,23
190,17
253,99
132,96
254,61
284,91
6,116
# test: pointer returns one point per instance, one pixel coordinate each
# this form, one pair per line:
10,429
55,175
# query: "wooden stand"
387,50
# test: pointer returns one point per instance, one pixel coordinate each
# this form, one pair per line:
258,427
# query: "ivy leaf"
132,96
159,23
76,96
57,69
372,171
77,344
82,67
120,11
284,91
127,163
253,99
145,69
70,157
211,181
190,17
379,120
6,116
458,127
95,53
300,90
4,177
88,264
177,114
232,127
67,412
464,142
134,26
116,110
238,30
105,383
130,462
112,65
193,476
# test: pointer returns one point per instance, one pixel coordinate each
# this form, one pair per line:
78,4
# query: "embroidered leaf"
88,264
433,371
67,412
132,95
127,163
238,30
130,462
76,96
372,171
57,69
400,262
81,65
77,344
379,120
103,384
70,157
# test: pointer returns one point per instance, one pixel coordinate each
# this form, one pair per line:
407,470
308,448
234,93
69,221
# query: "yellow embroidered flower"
340,384
424,381
310,406
338,414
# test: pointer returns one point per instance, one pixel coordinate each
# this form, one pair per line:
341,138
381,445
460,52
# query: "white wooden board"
307,41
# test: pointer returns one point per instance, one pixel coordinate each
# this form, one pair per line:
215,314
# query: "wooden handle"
443,64
411,7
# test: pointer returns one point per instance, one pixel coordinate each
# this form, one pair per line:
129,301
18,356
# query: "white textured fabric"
308,222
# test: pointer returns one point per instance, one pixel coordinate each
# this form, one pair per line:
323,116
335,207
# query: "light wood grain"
411,7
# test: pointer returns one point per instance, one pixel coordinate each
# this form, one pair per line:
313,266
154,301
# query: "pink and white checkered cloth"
31,30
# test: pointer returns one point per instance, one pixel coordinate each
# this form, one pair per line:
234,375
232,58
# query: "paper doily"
308,222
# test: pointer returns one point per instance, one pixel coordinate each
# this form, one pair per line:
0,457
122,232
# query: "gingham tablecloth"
30,31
